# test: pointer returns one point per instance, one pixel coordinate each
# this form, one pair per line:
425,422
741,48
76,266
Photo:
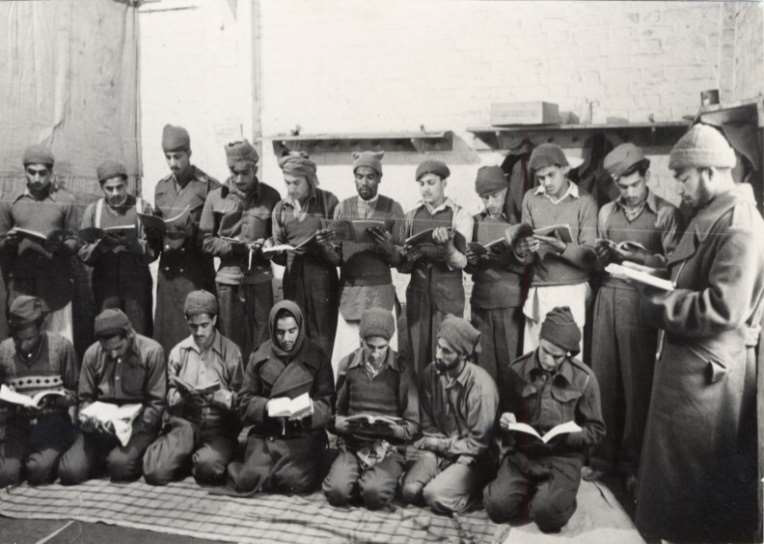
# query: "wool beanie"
26,310
110,169
561,329
240,154
622,158
490,179
175,139
702,146
431,166
546,154
372,159
200,302
377,322
460,335
110,322
38,154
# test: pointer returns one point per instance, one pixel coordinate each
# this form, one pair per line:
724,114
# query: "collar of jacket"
651,202
572,191
24,193
390,360
531,369
707,216
232,189
309,354
447,203
216,346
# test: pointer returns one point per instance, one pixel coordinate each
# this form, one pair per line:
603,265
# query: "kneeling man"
122,367
543,389
458,403
284,452
204,371
374,382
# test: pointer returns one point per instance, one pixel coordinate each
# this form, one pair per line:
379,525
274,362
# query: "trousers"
375,486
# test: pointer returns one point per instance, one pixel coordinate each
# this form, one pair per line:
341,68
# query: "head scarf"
26,310
296,312
298,163
111,322
561,329
460,335
200,302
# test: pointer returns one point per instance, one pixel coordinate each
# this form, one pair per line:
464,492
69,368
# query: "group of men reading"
670,374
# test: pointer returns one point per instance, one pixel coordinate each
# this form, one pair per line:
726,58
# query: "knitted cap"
490,179
200,302
372,159
38,154
547,154
240,154
25,310
110,322
702,146
109,169
175,139
377,322
432,166
623,158
460,335
561,329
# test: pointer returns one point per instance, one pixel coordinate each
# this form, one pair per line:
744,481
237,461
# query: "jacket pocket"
715,371
133,379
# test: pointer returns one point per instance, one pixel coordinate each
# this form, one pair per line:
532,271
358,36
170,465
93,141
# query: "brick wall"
742,53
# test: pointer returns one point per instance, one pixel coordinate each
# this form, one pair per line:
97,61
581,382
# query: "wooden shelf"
571,136
418,142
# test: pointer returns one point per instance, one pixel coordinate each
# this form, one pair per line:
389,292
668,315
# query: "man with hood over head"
284,453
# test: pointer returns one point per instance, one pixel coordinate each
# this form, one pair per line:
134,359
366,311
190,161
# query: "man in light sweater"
560,273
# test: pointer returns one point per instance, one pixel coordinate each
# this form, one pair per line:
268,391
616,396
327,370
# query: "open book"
640,273
626,245
117,419
289,247
562,428
355,230
158,224
34,401
121,233
186,387
425,237
297,407
561,232
373,420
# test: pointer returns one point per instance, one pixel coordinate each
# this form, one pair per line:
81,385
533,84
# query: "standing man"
698,479
310,278
623,355
37,267
33,439
374,381
284,454
121,367
365,267
236,220
561,276
436,287
458,402
120,261
183,266
543,389
497,276
203,427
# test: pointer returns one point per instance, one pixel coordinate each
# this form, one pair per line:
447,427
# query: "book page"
562,428
632,274
524,428
9,395
278,248
279,407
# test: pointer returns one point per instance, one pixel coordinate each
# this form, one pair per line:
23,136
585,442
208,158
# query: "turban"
110,322
460,335
38,154
25,310
490,179
109,169
431,166
240,154
377,322
298,163
621,159
702,146
175,139
200,302
546,155
291,308
561,329
372,159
